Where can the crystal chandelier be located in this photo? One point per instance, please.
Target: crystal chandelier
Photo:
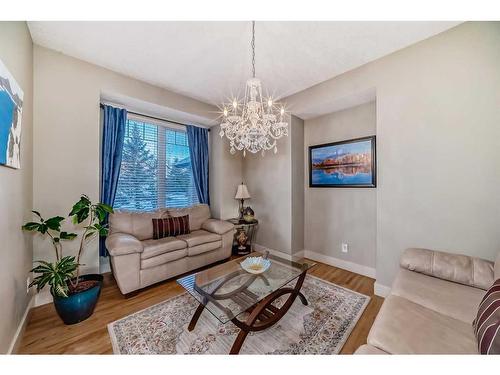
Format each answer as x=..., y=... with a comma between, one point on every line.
x=258, y=122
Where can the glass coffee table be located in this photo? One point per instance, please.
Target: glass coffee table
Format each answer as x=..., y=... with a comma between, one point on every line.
x=229, y=292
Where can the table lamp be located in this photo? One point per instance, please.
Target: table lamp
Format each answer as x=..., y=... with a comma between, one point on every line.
x=242, y=194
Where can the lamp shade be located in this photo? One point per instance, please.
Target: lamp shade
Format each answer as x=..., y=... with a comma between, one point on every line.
x=242, y=192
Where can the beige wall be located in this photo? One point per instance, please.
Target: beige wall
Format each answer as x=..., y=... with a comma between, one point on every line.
x=437, y=142
x=226, y=173
x=333, y=216
x=66, y=136
x=268, y=179
x=297, y=181
x=16, y=189
x=275, y=184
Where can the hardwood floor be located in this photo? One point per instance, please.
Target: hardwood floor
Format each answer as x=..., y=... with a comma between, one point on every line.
x=46, y=334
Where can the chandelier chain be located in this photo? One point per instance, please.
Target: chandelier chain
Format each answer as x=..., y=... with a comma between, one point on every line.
x=255, y=124
x=253, y=48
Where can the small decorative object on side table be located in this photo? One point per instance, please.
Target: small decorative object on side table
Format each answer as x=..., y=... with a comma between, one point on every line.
x=248, y=215
x=245, y=232
x=242, y=238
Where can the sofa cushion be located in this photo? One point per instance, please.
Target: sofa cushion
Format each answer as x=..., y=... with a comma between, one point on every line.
x=154, y=248
x=170, y=227
x=199, y=237
x=404, y=327
x=163, y=258
x=138, y=224
x=487, y=323
x=204, y=248
x=455, y=300
x=198, y=214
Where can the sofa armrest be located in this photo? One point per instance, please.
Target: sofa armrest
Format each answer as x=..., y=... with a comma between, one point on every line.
x=122, y=244
x=460, y=269
x=217, y=226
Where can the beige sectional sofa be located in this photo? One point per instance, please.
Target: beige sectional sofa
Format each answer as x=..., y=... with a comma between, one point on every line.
x=137, y=260
x=432, y=304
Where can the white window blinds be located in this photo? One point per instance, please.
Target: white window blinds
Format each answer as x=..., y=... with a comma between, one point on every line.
x=156, y=168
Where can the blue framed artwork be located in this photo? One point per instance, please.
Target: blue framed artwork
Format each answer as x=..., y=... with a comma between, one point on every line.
x=11, y=110
x=350, y=163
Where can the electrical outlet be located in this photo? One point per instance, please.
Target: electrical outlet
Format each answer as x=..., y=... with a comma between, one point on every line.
x=345, y=247
x=28, y=282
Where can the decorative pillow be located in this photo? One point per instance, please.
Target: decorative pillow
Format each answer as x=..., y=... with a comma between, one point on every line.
x=487, y=323
x=170, y=226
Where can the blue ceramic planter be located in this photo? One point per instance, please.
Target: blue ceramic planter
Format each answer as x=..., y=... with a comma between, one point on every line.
x=79, y=306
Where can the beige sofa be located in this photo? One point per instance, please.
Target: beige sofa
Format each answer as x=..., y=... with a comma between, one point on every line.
x=137, y=260
x=432, y=304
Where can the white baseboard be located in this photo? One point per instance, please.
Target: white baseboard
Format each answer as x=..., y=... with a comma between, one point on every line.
x=336, y=262
x=277, y=253
x=16, y=340
x=381, y=290
x=340, y=263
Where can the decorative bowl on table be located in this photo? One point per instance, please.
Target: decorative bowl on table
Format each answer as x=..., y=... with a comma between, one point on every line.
x=255, y=265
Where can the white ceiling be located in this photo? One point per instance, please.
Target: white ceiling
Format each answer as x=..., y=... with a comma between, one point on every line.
x=210, y=60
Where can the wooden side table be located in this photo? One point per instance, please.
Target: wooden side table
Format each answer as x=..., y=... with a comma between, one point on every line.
x=250, y=229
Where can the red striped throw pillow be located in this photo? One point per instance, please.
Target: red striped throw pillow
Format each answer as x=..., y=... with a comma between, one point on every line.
x=170, y=226
x=487, y=323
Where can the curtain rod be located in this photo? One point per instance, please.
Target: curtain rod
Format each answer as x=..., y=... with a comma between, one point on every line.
x=154, y=118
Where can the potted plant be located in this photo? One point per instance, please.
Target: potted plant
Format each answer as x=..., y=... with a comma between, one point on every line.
x=75, y=295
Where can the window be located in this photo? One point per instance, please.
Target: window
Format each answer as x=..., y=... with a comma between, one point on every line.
x=156, y=167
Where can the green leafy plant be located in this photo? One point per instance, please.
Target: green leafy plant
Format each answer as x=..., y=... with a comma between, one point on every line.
x=63, y=275
x=93, y=216
x=56, y=275
x=52, y=228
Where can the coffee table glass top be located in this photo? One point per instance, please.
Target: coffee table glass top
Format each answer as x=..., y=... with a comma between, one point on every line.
x=227, y=290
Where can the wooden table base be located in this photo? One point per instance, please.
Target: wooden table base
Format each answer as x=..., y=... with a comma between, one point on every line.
x=262, y=315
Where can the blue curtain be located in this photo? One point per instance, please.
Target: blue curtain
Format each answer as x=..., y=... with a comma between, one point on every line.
x=113, y=134
x=198, y=151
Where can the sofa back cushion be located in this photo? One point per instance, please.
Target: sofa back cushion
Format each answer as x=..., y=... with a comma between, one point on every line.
x=462, y=269
x=170, y=227
x=138, y=224
x=198, y=214
x=487, y=323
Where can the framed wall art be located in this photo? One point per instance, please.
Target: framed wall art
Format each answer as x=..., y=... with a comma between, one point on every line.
x=11, y=110
x=350, y=163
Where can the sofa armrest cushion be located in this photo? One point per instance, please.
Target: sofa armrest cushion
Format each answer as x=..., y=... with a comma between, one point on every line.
x=460, y=269
x=217, y=226
x=122, y=244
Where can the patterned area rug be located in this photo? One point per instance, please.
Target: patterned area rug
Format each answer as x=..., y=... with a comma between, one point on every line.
x=322, y=327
